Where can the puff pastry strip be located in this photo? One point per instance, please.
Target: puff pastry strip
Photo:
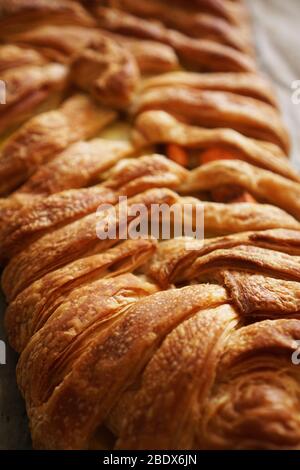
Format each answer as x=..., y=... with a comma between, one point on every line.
x=245, y=84
x=24, y=14
x=64, y=43
x=199, y=25
x=43, y=215
x=200, y=54
x=151, y=56
x=157, y=127
x=34, y=306
x=196, y=381
x=30, y=90
x=12, y=56
x=217, y=109
x=154, y=317
x=276, y=250
x=222, y=219
x=236, y=378
x=107, y=71
x=264, y=184
x=68, y=243
x=47, y=134
x=258, y=296
x=56, y=42
x=79, y=165
x=234, y=12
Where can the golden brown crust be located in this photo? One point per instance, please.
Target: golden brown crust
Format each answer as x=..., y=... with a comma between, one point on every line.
x=68, y=243
x=143, y=344
x=47, y=134
x=55, y=42
x=190, y=362
x=79, y=165
x=30, y=90
x=221, y=219
x=142, y=328
x=200, y=54
x=108, y=72
x=217, y=109
x=160, y=127
x=259, y=296
x=245, y=258
x=233, y=12
x=198, y=25
x=245, y=84
x=24, y=14
x=42, y=215
x=12, y=56
x=255, y=405
x=265, y=185
x=132, y=176
x=100, y=64
x=63, y=44
x=151, y=56
x=32, y=307
x=176, y=260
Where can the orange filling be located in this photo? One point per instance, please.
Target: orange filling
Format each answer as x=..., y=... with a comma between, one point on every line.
x=245, y=197
x=222, y=194
x=217, y=153
x=177, y=154
x=231, y=194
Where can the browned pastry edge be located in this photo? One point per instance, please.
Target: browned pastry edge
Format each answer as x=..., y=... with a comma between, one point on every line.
x=31, y=309
x=12, y=56
x=177, y=260
x=245, y=84
x=75, y=240
x=63, y=43
x=157, y=127
x=201, y=54
x=215, y=109
x=31, y=89
x=47, y=134
x=15, y=14
x=264, y=184
x=199, y=25
x=43, y=215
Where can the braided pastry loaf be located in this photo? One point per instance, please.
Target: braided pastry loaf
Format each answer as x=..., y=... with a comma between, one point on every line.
x=144, y=343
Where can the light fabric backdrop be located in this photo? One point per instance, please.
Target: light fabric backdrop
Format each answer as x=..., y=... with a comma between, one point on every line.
x=276, y=25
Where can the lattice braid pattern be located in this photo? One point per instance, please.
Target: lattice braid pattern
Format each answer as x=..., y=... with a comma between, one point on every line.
x=145, y=344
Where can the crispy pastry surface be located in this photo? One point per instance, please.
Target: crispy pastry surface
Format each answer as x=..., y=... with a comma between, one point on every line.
x=217, y=109
x=160, y=127
x=31, y=89
x=47, y=134
x=200, y=54
x=23, y=14
x=264, y=184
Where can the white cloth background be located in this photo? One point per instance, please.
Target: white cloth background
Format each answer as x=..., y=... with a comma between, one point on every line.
x=276, y=26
